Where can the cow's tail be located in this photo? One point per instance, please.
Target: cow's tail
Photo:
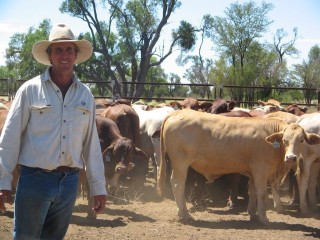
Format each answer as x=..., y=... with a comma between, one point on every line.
x=161, y=175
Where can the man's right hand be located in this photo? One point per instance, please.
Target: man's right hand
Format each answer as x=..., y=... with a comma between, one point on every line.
x=5, y=197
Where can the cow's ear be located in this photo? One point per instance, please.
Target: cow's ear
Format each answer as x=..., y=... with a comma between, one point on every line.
x=312, y=138
x=141, y=154
x=108, y=150
x=175, y=105
x=274, y=138
x=232, y=104
x=130, y=166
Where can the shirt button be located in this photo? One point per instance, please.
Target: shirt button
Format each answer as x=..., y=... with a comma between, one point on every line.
x=64, y=120
x=62, y=153
x=64, y=137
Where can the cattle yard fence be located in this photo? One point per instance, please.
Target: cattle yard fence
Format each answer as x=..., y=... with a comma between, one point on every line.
x=9, y=87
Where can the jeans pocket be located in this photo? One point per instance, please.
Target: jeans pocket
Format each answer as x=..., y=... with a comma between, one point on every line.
x=28, y=171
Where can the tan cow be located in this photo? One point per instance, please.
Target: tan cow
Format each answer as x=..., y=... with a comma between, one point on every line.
x=285, y=116
x=215, y=145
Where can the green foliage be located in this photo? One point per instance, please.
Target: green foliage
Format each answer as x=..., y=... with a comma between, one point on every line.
x=125, y=37
x=20, y=61
x=186, y=35
x=177, y=90
x=308, y=73
x=125, y=41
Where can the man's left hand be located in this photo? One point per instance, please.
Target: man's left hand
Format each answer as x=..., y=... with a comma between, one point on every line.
x=99, y=203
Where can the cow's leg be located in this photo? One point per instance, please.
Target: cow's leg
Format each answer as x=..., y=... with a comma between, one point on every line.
x=233, y=181
x=178, y=179
x=252, y=204
x=156, y=147
x=303, y=181
x=293, y=188
x=312, y=186
x=260, y=186
x=276, y=196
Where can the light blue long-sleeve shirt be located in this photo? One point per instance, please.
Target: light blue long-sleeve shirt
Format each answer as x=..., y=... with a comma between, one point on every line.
x=44, y=130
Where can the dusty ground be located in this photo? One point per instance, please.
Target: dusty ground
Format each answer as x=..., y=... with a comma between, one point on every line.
x=144, y=216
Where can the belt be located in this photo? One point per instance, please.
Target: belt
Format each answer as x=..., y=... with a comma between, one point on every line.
x=60, y=169
x=63, y=169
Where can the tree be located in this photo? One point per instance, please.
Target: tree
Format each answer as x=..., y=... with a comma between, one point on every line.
x=127, y=40
x=287, y=47
x=19, y=61
x=198, y=73
x=307, y=74
x=176, y=89
x=236, y=32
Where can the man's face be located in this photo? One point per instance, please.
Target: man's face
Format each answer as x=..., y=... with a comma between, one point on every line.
x=63, y=55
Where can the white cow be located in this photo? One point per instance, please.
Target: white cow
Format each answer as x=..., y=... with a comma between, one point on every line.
x=150, y=125
x=308, y=170
x=216, y=145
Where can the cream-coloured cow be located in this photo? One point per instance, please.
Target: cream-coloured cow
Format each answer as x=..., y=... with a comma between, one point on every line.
x=150, y=125
x=216, y=145
x=308, y=170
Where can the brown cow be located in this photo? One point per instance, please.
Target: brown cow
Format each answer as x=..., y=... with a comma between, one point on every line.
x=188, y=102
x=215, y=145
x=296, y=110
x=102, y=103
x=120, y=154
x=126, y=119
x=222, y=106
x=128, y=123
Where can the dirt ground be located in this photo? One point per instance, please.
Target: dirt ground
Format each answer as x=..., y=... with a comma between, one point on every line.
x=144, y=216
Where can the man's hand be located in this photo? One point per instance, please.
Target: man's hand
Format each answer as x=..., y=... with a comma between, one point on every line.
x=5, y=197
x=99, y=203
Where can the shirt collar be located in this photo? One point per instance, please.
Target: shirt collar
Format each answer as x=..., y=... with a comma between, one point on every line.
x=46, y=77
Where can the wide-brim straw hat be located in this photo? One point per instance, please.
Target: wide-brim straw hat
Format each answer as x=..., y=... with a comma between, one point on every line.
x=61, y=33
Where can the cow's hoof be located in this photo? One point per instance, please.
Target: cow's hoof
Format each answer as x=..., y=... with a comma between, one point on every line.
x=279, y=209
x=264, y=221
x=254, y=218
x=230, y=205
x=293, y=201
x=92, y=215
x=305, y=213
x=186, y=219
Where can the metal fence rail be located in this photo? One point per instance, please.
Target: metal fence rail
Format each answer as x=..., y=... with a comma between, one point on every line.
x=9, y=88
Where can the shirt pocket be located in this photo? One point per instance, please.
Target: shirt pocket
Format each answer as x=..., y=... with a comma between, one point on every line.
x=81, y=119
x=41, y=119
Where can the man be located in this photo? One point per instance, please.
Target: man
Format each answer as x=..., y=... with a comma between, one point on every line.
x=50, y=134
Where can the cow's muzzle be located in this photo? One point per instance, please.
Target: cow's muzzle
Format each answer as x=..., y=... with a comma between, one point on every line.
x=291, y=158
x=123, y=169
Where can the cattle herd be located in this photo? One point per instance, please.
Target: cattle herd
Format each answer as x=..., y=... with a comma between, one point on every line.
x=188, y=144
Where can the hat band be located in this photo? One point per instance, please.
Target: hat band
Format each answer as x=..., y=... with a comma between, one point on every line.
x=59, y=39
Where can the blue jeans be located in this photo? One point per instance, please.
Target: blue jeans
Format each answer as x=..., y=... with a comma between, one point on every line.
x=44, y=203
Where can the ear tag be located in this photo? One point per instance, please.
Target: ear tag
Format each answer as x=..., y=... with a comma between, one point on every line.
x=107, y=158
x=276, y=144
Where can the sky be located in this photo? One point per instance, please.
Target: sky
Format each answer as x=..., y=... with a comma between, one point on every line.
x=17, y=16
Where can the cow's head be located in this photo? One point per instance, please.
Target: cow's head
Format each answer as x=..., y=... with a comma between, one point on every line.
x=222, y=106
x=121, y=154
x=292, y=139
